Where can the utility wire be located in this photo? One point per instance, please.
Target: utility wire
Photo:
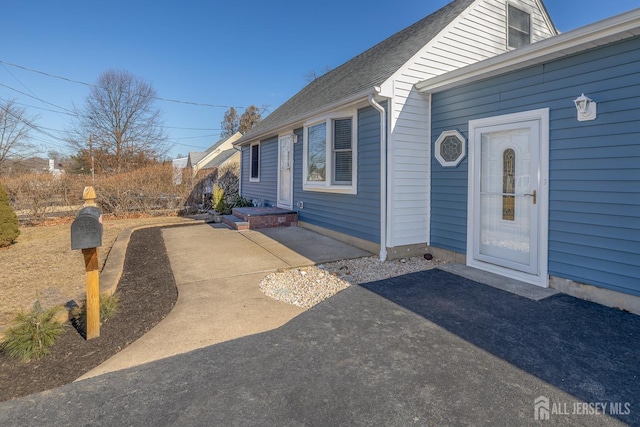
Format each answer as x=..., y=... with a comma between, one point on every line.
x=54, y=111
x=36, y=98
x=200, y=104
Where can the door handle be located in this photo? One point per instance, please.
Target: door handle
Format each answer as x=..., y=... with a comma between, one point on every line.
x=533, y=195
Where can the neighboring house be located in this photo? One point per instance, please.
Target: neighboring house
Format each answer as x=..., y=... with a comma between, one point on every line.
x=53, y=170
x=351, y=151
x=178, y=167
x=544, y=193
x=220, y=153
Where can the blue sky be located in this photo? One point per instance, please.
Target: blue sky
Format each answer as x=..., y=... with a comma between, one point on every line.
x=231, y=53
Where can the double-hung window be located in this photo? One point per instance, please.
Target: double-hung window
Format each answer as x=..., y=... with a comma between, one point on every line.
x=330, y=155
x=518, y=27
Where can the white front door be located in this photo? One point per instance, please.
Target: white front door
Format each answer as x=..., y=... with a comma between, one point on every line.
x=507, y=218
x=285, y=171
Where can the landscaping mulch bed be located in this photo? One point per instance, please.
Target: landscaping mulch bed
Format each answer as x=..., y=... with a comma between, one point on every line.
x=147, y=292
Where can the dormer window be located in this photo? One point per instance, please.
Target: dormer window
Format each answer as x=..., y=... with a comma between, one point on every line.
x=518, y=27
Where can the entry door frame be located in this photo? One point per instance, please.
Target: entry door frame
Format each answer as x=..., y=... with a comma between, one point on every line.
x=541, y=277
x=289, y=139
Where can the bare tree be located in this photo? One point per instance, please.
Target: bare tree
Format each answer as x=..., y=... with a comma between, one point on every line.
x=119, y=128
x=230, y=123
x=15, y=126
x=313, y=74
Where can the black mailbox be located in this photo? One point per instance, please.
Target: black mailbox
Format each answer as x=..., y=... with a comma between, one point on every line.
x=86, y=229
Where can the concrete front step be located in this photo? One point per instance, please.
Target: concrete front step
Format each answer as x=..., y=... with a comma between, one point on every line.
x=235, y=222
x=264, y=217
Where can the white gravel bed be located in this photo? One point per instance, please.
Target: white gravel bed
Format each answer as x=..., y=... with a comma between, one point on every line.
x=307, y=286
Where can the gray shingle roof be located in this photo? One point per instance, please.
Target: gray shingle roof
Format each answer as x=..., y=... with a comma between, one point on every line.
x=196, y=156
x=220, y=158
x=216, y=145
x=364, y=72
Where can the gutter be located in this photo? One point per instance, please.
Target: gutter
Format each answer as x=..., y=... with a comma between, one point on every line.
x=383, y=173
x=300, y=119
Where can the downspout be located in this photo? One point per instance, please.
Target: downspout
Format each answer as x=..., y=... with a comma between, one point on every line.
x=383, y=174
x=240, y=172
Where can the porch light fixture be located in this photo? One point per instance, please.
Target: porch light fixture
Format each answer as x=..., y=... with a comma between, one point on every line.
x=586, y=108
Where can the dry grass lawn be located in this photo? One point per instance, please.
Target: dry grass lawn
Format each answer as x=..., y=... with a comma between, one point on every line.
x=41, y=265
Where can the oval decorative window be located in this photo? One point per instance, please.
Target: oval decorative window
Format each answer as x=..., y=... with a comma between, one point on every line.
x=450, y=148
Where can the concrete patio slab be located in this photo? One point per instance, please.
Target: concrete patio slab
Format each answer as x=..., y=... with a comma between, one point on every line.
x=517, y=287
x=304, y=244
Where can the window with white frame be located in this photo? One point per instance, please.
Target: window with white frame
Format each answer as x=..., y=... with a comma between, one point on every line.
x=254, y=161
x=518, y=26
x=330, y=155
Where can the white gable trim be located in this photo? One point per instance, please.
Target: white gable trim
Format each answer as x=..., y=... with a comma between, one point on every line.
x=600, y=33
x=226, y=145
x=386, y=89
x=545, y=15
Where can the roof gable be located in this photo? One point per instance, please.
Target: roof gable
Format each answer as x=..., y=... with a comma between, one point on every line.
x=600, y=33
x=362, y=73
x=204, y=160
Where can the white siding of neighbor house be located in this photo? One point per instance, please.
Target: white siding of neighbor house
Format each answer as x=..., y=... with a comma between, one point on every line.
x=477, y=34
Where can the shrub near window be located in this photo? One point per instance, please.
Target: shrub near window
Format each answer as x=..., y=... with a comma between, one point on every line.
x=9, y=230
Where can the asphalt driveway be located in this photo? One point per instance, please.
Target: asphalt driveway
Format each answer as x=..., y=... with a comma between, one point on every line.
x=429, y=348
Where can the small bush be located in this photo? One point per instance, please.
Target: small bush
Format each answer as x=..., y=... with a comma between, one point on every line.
x=237, y=201
x=33, y=333
x=9, y=230
x=108, y=308
x=219, y=202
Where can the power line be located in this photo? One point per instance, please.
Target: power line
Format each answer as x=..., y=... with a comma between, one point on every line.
x=36, y=98
x=45, y=74
x=200, y=104
x=181, y=128
x=18, y=80
x=198, y=136
x=33, y=126
x=187, y=145
x=53, y=111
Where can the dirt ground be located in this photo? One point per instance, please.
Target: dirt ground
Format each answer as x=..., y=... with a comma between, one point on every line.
x=41, y=265
x=147, y=293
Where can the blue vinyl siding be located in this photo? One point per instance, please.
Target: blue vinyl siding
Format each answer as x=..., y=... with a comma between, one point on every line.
x=353, y=214
x=594, y=166
x=267, y=188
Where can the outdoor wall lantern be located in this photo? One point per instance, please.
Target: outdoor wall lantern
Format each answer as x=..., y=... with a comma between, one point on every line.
x=586, y=108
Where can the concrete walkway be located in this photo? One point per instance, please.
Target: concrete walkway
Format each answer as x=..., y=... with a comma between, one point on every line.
x=217, y=272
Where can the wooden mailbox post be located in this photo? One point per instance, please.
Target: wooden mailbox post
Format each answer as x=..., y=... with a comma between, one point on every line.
x=86, y=234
